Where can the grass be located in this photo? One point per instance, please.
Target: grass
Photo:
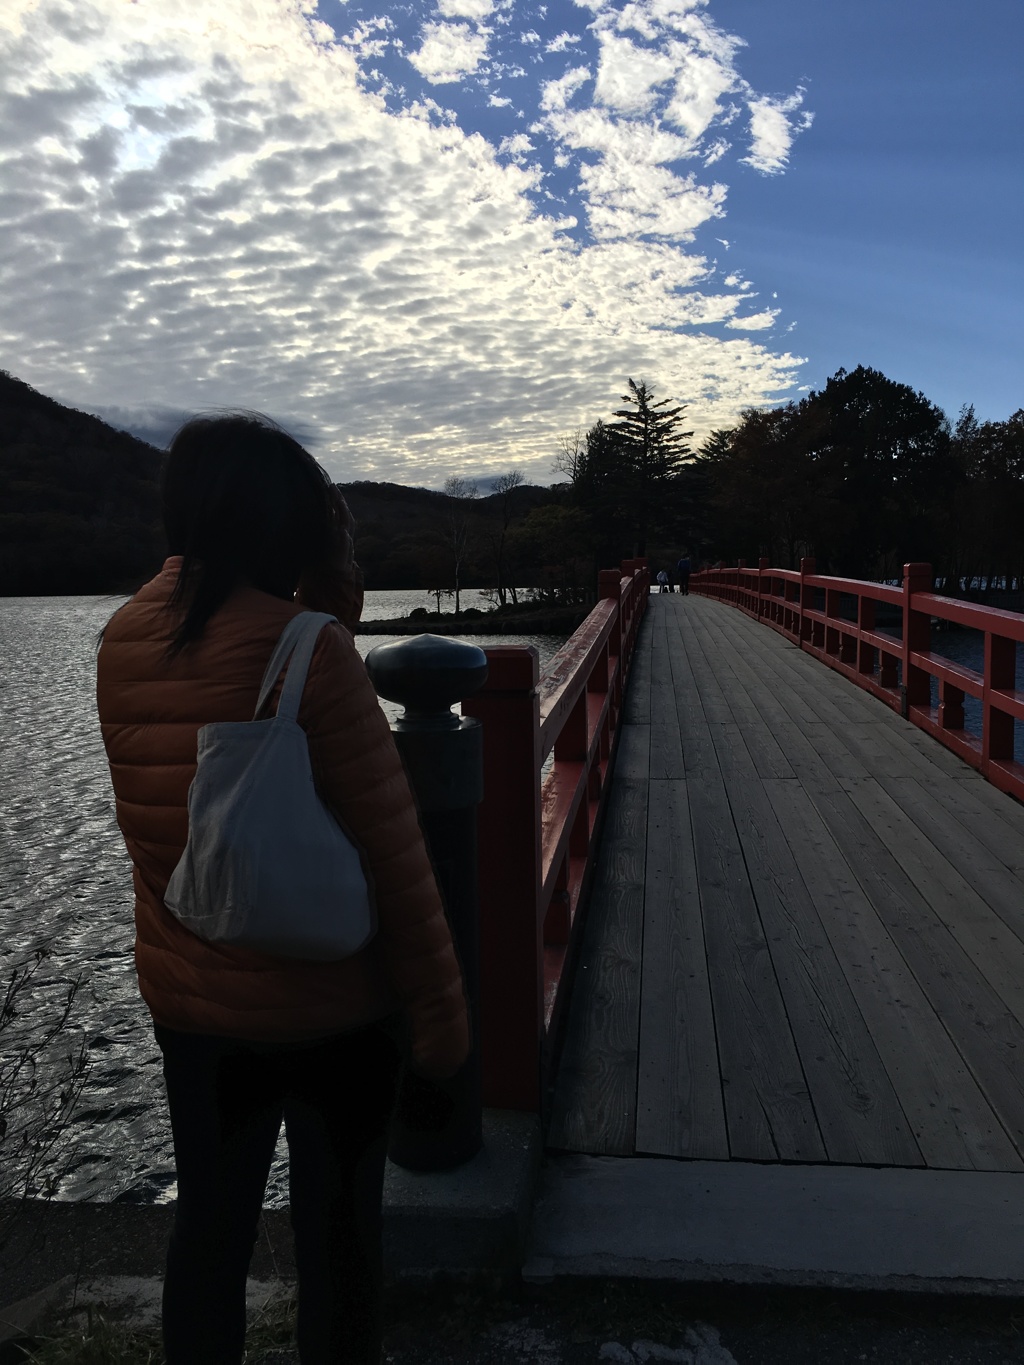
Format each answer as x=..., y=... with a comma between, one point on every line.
x=460, y=1315
x=98, y=1335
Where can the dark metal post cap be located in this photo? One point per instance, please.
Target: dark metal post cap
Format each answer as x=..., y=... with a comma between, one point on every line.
x=427, y=674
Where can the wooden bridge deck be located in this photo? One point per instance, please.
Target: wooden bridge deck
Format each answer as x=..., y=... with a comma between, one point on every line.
x=805, y=940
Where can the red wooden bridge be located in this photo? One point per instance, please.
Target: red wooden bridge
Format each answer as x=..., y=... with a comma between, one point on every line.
x=804, y=934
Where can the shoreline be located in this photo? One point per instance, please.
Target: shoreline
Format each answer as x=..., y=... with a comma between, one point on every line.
x=555, y=621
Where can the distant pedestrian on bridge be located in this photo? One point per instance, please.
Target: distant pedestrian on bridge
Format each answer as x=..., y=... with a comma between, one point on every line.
x=663, y=583
x=683, y=574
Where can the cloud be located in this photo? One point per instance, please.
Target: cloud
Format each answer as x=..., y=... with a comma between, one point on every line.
x=371, y=38
x=562, y=42
x=516, y=147
x=465, y=9
x=628, y=75
x=448, y=52
x=665, y=86
x=754, y=322
x=772, y=131
x=556, y=94
x=203, y=206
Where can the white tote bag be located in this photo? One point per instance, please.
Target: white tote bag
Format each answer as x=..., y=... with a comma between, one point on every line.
x=266, y=865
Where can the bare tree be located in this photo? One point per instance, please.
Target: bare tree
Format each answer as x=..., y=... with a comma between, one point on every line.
x=42, y=1072
x=460, y=493
x=505, y=486
x=571, y=455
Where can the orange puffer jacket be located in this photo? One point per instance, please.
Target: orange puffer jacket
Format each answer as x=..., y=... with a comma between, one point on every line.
x=151, y=709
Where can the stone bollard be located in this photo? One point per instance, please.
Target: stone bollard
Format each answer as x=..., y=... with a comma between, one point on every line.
x=437, y=1124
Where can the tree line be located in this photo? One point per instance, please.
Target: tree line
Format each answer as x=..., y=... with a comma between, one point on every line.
x=863, y=475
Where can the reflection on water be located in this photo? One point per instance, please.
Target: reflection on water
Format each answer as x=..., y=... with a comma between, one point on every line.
x=66, y=881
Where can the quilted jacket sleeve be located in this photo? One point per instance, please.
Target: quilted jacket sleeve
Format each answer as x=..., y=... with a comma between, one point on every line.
x=360, y=776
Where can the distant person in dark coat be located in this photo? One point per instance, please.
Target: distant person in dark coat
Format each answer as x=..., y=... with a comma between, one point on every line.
x=683, y=573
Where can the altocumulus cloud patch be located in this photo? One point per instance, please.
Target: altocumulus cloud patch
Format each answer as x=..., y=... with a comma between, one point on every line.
x=432, y=261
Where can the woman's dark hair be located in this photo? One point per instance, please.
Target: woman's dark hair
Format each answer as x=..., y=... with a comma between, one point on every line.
x=242, y=501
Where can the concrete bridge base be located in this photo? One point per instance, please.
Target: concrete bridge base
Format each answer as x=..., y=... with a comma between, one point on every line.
x=472, y=1220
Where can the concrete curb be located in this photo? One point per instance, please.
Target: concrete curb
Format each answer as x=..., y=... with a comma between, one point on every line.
x=136, y=1297
x=19, y=1320
x=835, y=1227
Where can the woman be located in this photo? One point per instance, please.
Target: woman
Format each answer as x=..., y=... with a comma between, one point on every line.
x=257, y=532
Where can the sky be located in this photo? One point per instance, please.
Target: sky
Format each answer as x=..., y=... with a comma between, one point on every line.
x=437, y=237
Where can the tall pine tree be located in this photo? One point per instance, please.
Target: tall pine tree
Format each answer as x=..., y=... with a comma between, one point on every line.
x=653, y=450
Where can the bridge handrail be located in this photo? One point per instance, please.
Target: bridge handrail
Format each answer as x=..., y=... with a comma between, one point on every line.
x=548, y=744
x=896, y=667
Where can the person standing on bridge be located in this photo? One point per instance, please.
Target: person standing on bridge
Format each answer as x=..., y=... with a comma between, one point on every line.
x=663, y=583
x=683, y=574
x=258, y=533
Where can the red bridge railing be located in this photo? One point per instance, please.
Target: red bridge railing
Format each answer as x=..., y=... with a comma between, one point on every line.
x=548, y=744
x=835, y=620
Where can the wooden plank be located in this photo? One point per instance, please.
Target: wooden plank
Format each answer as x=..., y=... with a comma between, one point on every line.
x=795, y=669
x=1000, y=803
x=952, y=1122
x=790, y=664
x=856, y=1108
x=666, y=746
x=1001, y=887
x=765, y=751
x=679, y=1092
x=811, y=748
x=816, y=691
x=768, y=1108
x=999, y=828
x=594, y=1104
x=713, y=703
x=983, y=935
x=985, y=1032
x=884, y=744
x=636, y=707
x=698, y=751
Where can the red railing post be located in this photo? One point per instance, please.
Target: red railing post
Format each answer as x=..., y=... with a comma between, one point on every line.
x=831, y=614
x=1000, y=675
x=762, y=564
x=951, y=706
x=916, y=689
x=865, y=621
x=511, y=955
x=804, y=624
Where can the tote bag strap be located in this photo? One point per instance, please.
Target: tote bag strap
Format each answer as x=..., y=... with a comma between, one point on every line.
x=295, y=645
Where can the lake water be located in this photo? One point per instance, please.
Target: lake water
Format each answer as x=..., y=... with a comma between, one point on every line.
x=66, y=880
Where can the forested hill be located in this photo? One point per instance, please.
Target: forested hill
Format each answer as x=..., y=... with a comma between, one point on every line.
x=406, y=537
x=79, y=510
x=78, y=500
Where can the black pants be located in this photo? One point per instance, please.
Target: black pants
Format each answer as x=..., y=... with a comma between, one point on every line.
x=227, y=1099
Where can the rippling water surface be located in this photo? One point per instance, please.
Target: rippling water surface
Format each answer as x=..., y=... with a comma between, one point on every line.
x=66, y=883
